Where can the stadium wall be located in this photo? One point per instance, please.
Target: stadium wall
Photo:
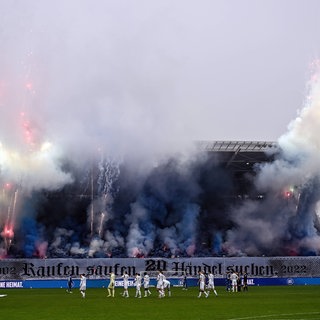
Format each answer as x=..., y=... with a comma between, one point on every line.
x=52, y=273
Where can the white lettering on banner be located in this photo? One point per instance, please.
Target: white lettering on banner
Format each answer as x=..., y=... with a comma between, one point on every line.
x=251, y=282
x=14, y=284
x=120, y=283
x=2, y=284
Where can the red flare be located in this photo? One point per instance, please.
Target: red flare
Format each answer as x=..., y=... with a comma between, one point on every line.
x=7, y=233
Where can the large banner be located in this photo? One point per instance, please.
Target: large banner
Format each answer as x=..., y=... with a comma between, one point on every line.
x=24, y=269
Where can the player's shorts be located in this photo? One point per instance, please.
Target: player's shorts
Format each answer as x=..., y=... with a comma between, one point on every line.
x=159, y=285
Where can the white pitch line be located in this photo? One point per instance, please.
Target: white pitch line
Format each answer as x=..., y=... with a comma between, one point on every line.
x=276, y=315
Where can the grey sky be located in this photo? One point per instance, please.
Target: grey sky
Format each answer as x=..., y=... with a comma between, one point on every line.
x=154, y=72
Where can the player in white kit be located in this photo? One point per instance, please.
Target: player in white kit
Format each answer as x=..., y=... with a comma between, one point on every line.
x=125, y=285
x=166, y=286
x=160, y=279
x=210, y=286
x=202, y=284
x=137, y=282
x=83, y=285
x=146, y=282
x=234, y=280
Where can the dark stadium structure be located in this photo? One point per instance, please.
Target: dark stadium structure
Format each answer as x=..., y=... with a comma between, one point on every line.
x=240, y=158
x=239, y=162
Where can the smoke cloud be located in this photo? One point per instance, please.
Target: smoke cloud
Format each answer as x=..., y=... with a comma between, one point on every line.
x=294, y=176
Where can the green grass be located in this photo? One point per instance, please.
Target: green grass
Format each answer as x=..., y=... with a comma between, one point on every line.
x=280, y=303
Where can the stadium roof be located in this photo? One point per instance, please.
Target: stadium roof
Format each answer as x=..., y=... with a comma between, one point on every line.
x=240, y=156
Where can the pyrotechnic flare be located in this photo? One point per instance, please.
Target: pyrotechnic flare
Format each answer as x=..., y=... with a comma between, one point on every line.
x=7, y=234
x=8, y=203
x=101, y=224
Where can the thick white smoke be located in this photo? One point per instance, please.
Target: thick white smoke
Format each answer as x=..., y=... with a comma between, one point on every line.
x=294, y=174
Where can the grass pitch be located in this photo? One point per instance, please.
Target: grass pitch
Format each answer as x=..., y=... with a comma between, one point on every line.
x=276, y=303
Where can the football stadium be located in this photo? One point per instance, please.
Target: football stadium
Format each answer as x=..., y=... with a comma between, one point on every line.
x=159, y=159
x=212, y=212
